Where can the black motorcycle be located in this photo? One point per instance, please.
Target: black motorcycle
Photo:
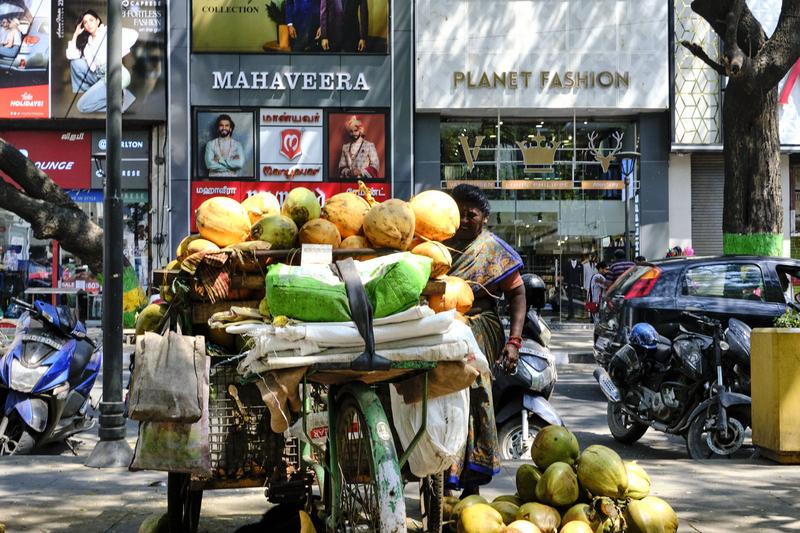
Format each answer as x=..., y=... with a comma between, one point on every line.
x=696, y=386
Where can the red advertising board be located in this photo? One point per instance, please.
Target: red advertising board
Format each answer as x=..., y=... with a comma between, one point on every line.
x=239, y=190
x=66, y=157
x=32, y=101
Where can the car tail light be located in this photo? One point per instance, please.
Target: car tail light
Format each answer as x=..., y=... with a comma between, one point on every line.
x=30, y=39
x=644, y=284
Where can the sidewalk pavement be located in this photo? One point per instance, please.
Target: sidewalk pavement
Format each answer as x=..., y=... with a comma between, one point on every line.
x=55, y=492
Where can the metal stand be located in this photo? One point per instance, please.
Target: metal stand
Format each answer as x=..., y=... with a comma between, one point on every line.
x=112, y=450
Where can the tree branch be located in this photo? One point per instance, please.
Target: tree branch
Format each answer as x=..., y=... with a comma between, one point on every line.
x=33, y=181
x=733, y=56
x=698, y=51
x=61, y=219
x=782, y=49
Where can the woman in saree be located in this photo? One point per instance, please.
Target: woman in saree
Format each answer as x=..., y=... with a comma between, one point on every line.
x=493, y=269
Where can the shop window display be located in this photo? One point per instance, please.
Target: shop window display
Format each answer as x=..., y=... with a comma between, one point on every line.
x=557, y=190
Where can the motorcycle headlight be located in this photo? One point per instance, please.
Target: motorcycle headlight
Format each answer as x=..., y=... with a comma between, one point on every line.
x=24, y=379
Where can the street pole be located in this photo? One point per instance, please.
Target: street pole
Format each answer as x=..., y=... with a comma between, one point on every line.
x=627, y=231
x=113, y=449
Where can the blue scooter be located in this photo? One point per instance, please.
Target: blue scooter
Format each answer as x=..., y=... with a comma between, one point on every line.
x=45, y=379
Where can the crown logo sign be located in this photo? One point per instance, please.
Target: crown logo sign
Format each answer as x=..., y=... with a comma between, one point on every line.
x=537, y=155
x=27, y=96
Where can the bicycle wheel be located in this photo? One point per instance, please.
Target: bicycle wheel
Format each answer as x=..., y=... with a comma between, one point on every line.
x=431, y=494
x=367, y=490
x=183, y=504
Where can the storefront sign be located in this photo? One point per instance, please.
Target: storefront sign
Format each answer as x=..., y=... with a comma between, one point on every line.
x=135, y=164
x=560, y=56
x=239, y=190
x=282, y=81
x=64, y=156
x=246, y=27
x=539, y=185
x=290, y=142
x=546, y=79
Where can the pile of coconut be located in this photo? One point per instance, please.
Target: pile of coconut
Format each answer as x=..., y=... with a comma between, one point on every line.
x=566, y=491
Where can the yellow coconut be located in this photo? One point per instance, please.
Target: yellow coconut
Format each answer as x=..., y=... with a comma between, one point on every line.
x=438, y=252
x=166, y=290
x=260, y=205
x=181, y=250
x=320, y=231
x=223, y=221
x=390, y=225
x=347, y=211
x=457, y=295
x=437, y=215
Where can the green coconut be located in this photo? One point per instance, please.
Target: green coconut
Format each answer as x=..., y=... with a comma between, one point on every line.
x=507, y=509
x=149, y=317
x=554, y=444
x=581, y=512
x=513, y=498
x=301, y=205
x=650, y=515
x=638, y=481
x=543, y=516
x=602, y=472
x=558, y=485
x=526, y=479
x=521, y=526
x=278, y=230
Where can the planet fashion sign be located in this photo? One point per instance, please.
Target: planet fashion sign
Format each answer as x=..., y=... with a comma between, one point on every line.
x=572, y=54
x=546, y=79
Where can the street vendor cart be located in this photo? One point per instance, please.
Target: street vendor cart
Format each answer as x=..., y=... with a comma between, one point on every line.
x=353, y=477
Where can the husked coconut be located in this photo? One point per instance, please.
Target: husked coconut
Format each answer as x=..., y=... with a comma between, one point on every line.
x=437, y=215
x=222, y=221
x=347, y=211
x=439, y=254
x=390, y=225
x=320, y=231
x=457, y=295
x=261, y=204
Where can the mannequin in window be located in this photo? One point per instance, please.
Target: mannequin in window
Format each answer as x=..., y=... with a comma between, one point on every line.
x=573, y=282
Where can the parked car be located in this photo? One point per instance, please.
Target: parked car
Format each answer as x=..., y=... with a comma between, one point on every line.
x=754, y=290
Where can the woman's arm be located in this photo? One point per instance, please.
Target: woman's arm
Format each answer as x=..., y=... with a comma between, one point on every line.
x=72, y=46
x=517, y=305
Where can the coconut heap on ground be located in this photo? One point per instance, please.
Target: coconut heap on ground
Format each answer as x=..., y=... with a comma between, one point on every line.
x=346, y=221
x=568, y=491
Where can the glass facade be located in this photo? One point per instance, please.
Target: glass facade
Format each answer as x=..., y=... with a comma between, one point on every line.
x=561, y=190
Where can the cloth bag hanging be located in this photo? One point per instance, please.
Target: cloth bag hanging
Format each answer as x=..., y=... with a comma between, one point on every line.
x=170, y=375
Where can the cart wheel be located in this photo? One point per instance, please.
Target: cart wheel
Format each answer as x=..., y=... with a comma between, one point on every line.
x=431, y=493
x=183, y=504
x=367, y=490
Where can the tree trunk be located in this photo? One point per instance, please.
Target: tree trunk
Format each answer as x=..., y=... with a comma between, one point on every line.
x=753, y=211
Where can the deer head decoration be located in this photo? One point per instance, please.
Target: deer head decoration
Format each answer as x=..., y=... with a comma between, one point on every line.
x=605, y=160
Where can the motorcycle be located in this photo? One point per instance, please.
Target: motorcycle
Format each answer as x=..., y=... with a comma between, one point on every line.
x=46, y=376
x=696, y=386
x=521, y=398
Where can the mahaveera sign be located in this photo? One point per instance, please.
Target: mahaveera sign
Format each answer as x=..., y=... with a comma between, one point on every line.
x=282, y=81
x=290, y=142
